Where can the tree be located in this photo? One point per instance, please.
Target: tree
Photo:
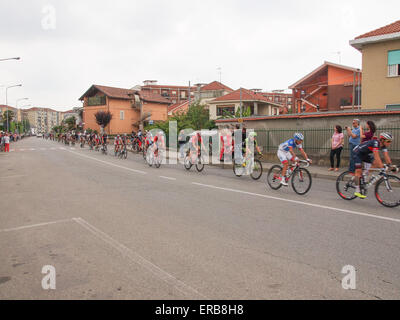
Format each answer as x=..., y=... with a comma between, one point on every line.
x=71, y=123
x=8, y=117
x=103, y=118
x=245, y=114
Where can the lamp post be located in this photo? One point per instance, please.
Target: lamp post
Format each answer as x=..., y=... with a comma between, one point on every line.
x=6, y=59
x=18, y=85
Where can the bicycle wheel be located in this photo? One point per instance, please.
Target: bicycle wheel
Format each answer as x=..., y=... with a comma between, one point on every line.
x=387, y=192
x=200, y=164
x=187, y=163
x=157, y=161
x=257, y=171
x=150, y=159
x=274, y=177
x=126, y=154
x=346, y=186
x=238, y=168
x=301, y=181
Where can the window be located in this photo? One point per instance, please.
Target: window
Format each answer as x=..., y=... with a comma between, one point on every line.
x=276, y=99
x=222, y=111
x=289, y=99
x=174, y=93
x=97, y=101
x=393, y=107
x=183, y=94
x=394, y=63
x=122, y=115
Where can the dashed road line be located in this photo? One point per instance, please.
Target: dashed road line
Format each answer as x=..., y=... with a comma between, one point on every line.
x=36, y=225
x=299, y=202
x=139, y=260
x=108, y=163
x=168, y=178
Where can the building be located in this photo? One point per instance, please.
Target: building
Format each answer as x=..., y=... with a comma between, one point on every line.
x=206, y=93
x=381, y=67
x=330, y=87
x=280, y=97
x=175, y=94
x=131, y=109
x=42, y=120
x=230, y=104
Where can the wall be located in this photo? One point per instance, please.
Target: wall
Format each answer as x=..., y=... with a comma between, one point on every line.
x=318, y=132
x=378, y=89
x=159, y=111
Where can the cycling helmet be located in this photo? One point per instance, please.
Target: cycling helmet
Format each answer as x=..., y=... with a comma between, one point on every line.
x=386, y=136
x=298, y=137
x=252, y=134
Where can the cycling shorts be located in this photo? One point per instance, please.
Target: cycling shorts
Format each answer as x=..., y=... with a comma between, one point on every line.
x=284, y=156
x=359, y=158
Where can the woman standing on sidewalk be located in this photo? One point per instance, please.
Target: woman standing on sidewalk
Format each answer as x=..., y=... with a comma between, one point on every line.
x=370, y=133
x=337, y=147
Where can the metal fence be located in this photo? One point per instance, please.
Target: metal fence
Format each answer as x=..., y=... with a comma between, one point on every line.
x=317, y=142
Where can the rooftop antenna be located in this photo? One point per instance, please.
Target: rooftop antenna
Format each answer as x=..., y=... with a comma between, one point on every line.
x=220, y=74
x=339, y=53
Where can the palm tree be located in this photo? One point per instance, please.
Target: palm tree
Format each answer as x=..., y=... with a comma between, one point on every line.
x=103, y=118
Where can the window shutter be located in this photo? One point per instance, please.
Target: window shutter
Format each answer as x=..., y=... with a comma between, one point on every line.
x=394, y=57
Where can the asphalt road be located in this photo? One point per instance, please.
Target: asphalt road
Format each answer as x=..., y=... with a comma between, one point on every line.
x=118, y=229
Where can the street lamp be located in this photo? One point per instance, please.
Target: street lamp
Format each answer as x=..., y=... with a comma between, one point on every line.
x=17, y=85
x=17, y=58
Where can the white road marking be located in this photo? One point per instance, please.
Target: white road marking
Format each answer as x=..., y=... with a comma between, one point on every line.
x=32, y=149
x=168, y=178
x=109, y=163
x=63, y=149
x=10, y=177
x=21, y=149
x=299, y=202
x=36, y=225
x=138, y=259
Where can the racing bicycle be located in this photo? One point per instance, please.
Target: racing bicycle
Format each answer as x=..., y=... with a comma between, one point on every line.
x=297, y=173
x=387, y=187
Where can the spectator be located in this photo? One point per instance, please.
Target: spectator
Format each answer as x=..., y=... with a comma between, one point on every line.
x=354, y=141
x=337, y=147
x=370, y=133
x=6, y=143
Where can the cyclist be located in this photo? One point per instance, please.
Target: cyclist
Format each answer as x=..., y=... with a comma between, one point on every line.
x=196, y=144
x=368, y=153
x=286, y=154
x=251, y=140
x=104, y=139
x=117, y=143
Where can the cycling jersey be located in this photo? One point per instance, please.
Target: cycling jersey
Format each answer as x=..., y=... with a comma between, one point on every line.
x=289, y=144
x=364, y=152
x=369, y=147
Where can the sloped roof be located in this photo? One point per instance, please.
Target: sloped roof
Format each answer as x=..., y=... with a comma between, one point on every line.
x=153, y=97
x=322, y=67
x=177, y=106
x=215, y=86
x=391, y=28
x=111, y=92
x=246, y=95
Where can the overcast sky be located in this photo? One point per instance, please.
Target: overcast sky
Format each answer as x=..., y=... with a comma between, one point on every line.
x=68, y=45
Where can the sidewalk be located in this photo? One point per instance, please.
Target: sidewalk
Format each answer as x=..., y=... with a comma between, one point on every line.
x=317, y=172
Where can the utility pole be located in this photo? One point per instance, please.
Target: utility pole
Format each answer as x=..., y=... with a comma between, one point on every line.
x=241, y=109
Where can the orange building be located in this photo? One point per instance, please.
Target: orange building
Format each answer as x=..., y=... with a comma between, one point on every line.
x=131, y=109
x=331, y=87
